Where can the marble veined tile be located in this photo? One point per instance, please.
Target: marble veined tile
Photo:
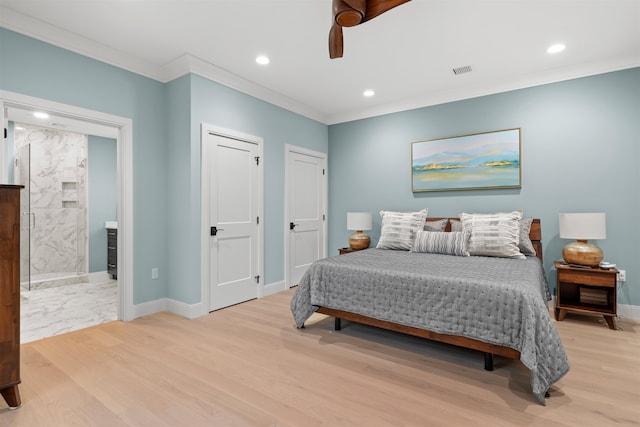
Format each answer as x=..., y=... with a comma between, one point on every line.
x=53, y=311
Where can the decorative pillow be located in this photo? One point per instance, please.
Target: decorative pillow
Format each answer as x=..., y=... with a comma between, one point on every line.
x=456, y=225
x=525, y=245
x=436, y=242
x=399, y=229
x=438, y=225
x=495, y=234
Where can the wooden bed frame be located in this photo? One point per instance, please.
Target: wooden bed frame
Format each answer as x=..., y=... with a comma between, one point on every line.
x=489, y=349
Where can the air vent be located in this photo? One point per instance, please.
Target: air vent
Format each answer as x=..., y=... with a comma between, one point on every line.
x=462, y=70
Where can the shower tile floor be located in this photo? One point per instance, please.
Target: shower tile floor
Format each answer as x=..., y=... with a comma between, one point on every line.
x=54, y=311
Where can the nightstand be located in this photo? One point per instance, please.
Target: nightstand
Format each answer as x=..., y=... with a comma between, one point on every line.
x=586, y=290
x=347, y=250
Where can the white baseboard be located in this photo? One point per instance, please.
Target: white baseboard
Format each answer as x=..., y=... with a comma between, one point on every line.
x=99, y=276
x=272, y=289
x=629, y=311
x=191, y=311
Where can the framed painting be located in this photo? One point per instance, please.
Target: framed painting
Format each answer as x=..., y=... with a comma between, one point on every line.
x=468, y=162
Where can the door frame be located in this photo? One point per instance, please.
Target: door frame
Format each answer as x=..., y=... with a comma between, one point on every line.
x=289, y=150
x=206, y=129
x=124, y=144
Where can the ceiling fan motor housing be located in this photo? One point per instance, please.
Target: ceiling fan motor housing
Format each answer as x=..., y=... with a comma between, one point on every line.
x=349, y=13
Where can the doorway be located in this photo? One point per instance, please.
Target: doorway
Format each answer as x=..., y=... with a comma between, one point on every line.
x=305, y=211
x=232, y=206
x=16, y=106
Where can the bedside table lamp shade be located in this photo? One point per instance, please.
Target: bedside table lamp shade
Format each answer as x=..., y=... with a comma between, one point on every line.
x=582, y=227
x=359, y=221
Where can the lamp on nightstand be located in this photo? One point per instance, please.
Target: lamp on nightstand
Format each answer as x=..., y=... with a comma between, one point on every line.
x=582, y=227
x=359, y=221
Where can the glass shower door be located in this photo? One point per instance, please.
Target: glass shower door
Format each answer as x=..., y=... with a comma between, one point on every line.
x=27, y=219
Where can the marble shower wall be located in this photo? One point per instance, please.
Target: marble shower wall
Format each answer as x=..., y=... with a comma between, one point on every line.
x=58, y=198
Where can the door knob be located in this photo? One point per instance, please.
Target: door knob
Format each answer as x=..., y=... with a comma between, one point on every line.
x=214, y=230
x=292, y=226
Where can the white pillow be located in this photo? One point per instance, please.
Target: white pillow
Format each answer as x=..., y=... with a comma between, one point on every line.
x=399, y=229
x=496, y=234
x=436, y=242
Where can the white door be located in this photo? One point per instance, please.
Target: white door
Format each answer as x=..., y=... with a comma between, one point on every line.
x=306, y=192
x=234, y=196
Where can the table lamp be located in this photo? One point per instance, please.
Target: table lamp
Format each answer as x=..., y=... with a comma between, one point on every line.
x=582, y=227
x=359, y=221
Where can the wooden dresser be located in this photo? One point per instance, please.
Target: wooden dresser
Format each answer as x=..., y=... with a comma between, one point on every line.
x=10, y=293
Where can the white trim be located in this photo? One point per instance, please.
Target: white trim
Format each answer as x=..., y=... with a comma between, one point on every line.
x=289, y=149
x=629, y=311
x=99, y=276
x=206, y=129
x=4, y=147
x=187, y=63
x=272, y=289
x=125, y=181
x=40, y=30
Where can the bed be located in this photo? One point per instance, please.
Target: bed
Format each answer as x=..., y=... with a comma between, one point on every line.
x=494, y=305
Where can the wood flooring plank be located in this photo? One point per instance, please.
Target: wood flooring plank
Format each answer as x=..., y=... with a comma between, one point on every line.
x=248, y=365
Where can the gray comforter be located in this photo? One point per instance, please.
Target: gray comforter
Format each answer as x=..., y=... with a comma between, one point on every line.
x=494, y=300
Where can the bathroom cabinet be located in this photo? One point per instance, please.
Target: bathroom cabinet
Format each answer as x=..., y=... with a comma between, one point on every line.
x=10, y=294
x=112, y=252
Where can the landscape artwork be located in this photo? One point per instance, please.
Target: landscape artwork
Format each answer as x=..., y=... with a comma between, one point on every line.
x=468, y=162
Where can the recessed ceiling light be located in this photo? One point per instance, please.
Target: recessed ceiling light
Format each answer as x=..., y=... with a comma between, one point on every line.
x=262, y=60
x=368, y=93
x=40, y=115
x=555, y=48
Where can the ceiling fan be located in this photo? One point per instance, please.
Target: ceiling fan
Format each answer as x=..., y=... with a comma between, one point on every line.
x=349, y=13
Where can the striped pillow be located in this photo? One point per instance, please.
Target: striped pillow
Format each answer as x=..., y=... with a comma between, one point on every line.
x=399, y=229
x=435, y=242
x=495, y=234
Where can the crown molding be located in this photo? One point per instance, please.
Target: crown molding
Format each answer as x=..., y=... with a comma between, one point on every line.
x=490, y=88
x=185, y=64
x=76, y=43
x=188, y=63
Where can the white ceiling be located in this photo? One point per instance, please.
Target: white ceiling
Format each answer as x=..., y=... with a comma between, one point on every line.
x=406, y=55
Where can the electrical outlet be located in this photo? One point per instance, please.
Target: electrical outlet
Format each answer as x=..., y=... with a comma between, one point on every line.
x=622, y=275
x=154, y=273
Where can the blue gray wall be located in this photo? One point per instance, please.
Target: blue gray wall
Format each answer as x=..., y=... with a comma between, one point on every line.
x=580, y=150
x=41, y=70
x=197, y=101
x=103, y=197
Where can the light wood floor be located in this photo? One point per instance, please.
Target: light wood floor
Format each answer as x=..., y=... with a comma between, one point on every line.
x=248, y=365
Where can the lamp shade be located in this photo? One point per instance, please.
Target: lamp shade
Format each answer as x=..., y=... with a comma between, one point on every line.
x=359, y=221
x=583, y=226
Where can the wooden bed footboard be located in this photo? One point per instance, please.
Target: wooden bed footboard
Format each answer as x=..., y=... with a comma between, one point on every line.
x=488, y=349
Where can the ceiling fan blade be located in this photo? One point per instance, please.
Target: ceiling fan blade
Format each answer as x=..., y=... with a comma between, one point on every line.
x=336, y=43
x=378, y=7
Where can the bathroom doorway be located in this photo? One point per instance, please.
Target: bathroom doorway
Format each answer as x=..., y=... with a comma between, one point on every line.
x=64, y=280
x=16, y=106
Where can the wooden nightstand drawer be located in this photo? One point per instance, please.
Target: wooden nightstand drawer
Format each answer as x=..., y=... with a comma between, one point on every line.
x=587, y=277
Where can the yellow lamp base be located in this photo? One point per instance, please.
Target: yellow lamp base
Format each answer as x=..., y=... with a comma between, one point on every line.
x=582, y=253
x=359, y=240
